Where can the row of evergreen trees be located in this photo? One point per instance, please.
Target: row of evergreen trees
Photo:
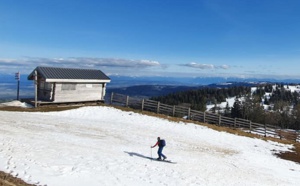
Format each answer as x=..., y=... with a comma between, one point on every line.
x=270, y=104
x=198, y=99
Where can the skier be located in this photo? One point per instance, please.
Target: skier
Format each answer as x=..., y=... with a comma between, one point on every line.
x=161, y=144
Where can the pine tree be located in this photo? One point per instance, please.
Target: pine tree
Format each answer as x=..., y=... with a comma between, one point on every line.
x=236, y=111
x=296, y=117
x=227, y=111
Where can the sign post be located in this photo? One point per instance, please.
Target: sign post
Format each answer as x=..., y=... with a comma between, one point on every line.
x=17, y=77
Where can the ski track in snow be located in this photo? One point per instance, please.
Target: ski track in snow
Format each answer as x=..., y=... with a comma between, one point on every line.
x=106, y=146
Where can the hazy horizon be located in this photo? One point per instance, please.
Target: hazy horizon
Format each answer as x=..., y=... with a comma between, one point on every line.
x=8, y=85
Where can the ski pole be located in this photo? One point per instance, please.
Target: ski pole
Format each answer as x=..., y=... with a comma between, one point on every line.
x=151, y=152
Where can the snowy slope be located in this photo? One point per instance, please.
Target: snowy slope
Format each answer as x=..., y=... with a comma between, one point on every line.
x=105, y=146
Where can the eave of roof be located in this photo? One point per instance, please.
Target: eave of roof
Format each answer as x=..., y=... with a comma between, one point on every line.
x=77, y=80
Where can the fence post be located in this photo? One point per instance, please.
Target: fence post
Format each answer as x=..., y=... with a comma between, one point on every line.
x=158, y=104
x=111, y=98
x=204, y=115
x=250, y=126
x=280, y=134
x=143, y=102
x=265, y=130
x=173, y=111
x=220, y=120
x=189, y=114
x=127, y=100
x=234, y=125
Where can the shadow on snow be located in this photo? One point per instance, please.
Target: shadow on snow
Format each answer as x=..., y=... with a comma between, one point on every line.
x=147, y=157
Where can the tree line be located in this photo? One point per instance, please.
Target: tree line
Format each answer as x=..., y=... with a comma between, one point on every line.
x=273, y=104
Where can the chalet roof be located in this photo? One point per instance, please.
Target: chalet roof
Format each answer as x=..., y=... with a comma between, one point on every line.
x=52, y=74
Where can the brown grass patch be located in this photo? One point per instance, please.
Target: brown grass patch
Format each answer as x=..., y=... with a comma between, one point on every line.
x=292, y=156
x=8, y=180
x=38, y=109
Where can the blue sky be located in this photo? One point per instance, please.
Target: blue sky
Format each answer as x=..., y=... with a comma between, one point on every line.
x=232, y=38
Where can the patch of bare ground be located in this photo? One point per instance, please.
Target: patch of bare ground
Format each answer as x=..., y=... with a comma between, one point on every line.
x=8, y=180
x=38, y=109
x=293, y=155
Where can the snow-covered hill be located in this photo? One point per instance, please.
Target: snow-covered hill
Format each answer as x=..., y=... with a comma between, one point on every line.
x=105, y=146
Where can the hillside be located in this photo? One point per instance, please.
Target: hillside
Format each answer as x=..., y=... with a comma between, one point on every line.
x=146, y=91
x=105, y=146
x=277, y=104
x=152, y=90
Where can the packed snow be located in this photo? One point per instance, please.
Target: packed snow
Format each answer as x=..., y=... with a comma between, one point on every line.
x=222, y=106
x=16, y=103
x=100, y=145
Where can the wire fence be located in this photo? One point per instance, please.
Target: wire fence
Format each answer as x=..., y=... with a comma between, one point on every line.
x=265, y=130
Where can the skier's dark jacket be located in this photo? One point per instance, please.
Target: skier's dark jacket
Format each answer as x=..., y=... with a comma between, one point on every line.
x=159, y=143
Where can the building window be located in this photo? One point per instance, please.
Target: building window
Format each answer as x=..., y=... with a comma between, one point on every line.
x=70, y=86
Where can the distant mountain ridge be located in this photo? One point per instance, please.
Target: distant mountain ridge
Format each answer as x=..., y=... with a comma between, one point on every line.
x=146, y=91
x=139, y=86
x=126, y=81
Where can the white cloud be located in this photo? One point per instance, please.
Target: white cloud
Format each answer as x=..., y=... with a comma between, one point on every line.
x=150, y=63
x=205, y=66
x=29, y=63
x=223, y=67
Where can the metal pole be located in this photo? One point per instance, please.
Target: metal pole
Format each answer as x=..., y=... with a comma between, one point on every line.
x=17, y=77
x=35, y=89
x=151, y=152
x=18, y=92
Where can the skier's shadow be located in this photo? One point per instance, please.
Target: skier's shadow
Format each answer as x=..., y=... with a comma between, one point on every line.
x=147, y=157
x=138, y=155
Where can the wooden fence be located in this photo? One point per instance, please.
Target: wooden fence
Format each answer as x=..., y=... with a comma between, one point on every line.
x=265, y=130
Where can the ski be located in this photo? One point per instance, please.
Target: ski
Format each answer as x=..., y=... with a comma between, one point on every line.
x=166, y=161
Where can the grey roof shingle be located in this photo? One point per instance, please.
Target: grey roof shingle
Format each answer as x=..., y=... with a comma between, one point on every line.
x=68, y=73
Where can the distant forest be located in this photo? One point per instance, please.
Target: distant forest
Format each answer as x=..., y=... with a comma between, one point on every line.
x=269, y=104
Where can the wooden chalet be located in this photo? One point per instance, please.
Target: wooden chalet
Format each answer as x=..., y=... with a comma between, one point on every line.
x=62, y=85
